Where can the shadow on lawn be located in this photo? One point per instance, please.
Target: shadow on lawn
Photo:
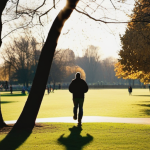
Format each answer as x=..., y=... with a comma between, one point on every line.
x=75, y=141
x=14, y=139
x=144, y=101
x=146, y=110
x=142, y=95
x=5, y=102
x=13, y=95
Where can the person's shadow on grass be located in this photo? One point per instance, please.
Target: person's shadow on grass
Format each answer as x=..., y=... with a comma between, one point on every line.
x=75, y=141
x=14, y=139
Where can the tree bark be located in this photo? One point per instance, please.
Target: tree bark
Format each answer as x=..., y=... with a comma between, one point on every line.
x=2, y=6
x=2, y=123
x=32, y=106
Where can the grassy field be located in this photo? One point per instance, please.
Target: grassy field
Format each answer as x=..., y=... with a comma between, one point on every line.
x=102, y=102
x=93, y=136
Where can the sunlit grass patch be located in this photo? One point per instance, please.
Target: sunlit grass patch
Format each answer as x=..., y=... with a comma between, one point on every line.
x=101, y=102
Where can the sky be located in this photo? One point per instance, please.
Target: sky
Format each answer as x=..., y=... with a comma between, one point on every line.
x=84, y=32
x=80, y=31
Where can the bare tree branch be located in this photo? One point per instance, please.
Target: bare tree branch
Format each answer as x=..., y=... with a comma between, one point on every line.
x=40, y=6
x=112, y=4
x=19, y=28
x=109, y=21
x=12, y=19
x=17, y=6
x=47, y=12
x=54, y=3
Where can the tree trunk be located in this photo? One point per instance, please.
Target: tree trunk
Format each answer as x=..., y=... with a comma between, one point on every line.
x=2, y=123
x=31, y=108
x=2, y=6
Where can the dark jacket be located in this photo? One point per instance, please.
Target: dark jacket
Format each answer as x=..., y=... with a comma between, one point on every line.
x=78, y=87
x=130, y=89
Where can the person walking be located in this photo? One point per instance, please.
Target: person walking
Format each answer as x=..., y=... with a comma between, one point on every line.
x=23, y=90
x=28, y=89
x=59, y=86
x=130, y=90
x=11, y=89
x=78, y=87
x=53, y=87
x=48, y=90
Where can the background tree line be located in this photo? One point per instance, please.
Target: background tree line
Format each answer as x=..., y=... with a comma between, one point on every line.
x=20, y=60
x=22, y=55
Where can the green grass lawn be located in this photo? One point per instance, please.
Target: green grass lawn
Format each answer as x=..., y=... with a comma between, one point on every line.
x=102, y=102
x=93, y=136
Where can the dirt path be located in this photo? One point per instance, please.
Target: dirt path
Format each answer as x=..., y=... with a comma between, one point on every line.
x=91, y=119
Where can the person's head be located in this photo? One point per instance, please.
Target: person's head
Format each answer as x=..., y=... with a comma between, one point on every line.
x=78, y=75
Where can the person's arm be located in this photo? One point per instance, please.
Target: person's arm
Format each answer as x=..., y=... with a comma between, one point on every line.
x=85, y=87
x=71, y=87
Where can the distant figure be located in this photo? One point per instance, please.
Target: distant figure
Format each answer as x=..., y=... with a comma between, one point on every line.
x=130, y=90
x=149, y=87
x=53, y=87
x=78, y=87
x=6, y=85
x=50, y=88
x=11, y=89
x=1, y=86
x=28, y=90
x=23, y=90
x=59, y=86
x=47, y=89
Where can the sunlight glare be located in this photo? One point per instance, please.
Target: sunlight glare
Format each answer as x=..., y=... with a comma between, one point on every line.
x=63, y=3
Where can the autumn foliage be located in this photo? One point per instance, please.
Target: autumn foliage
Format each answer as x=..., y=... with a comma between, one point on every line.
x=72, y=70
x=3, y=74
x=134, y=62
x=121, y=73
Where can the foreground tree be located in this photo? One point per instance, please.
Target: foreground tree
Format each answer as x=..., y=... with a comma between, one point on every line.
x=2, y=6
x=135, y=53
x=31, y=108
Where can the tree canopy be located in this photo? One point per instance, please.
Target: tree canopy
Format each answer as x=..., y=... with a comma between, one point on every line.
x=134, y=59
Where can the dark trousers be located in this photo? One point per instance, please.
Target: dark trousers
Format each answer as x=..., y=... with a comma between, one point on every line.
x=78, y=102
